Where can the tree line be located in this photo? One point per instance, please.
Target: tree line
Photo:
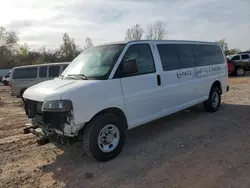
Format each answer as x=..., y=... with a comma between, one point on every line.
x=14, y=54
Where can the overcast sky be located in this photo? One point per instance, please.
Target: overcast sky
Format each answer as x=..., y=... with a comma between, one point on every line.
x=42, y=22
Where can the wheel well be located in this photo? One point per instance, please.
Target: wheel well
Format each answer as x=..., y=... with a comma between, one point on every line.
x=112, y=110
x=217, y=84
x=115, y=111
x=239, y=66
x=22, y=91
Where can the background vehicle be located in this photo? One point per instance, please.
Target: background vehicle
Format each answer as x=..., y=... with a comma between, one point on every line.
x=110, y=89
x=6, y=79
x=241, y=63
x=230, y=66
x=25, y=76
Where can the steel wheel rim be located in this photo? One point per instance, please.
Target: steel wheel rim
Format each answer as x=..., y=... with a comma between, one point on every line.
x=240, y=71
x=108, y=138
x=215, y=99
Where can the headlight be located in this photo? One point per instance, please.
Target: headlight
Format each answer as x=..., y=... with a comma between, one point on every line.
x=57, y=106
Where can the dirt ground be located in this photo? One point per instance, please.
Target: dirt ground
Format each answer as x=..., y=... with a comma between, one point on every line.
x=191, y=149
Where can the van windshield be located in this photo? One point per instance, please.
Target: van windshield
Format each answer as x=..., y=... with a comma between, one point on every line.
x=95, y=63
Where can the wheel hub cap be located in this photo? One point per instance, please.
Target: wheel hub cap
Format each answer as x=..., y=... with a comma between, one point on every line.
x=215, y=99
x=108, y=138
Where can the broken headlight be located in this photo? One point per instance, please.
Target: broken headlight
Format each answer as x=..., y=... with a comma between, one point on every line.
x=57, y=106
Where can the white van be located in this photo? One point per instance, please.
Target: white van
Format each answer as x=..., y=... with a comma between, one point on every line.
x=6, y=79
x=23, y=77
x=112, y=88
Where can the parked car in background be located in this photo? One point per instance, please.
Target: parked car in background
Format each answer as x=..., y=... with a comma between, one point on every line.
x=25, y=76
x=112, y=88
x=230, y=66
x=6, y=78
x=241, y=63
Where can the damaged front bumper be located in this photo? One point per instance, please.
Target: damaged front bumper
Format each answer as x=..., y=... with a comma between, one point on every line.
x=50, y=123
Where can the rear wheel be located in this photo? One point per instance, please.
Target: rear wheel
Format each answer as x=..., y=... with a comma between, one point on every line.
x=214, y=100
x=240, y=71
x=104, y=137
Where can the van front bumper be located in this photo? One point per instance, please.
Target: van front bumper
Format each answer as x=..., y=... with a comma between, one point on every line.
x=50, y=129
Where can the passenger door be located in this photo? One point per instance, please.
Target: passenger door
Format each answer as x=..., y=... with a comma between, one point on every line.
x=187, y=84
x=141, y=90
x=237, y=60
x=170, y=89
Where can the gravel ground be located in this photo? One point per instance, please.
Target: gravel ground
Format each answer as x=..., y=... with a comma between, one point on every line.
x=191, y=149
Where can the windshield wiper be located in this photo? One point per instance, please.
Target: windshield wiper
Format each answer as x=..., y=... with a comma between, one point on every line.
x=81, y=76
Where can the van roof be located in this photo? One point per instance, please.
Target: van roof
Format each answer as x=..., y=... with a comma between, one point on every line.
x=159, y=41
x=44, y=64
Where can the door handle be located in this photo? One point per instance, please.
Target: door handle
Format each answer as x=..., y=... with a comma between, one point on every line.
x=158, y=80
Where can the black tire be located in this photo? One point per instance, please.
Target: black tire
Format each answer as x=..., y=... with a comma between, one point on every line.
x=210, y=105
x=5, y=83
x=240, y=71
x=21, y=94
x=92, y=131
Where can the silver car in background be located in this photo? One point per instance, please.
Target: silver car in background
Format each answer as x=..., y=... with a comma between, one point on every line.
x=23, y=77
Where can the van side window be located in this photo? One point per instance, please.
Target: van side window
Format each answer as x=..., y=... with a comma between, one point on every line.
x=25, y=73
x=43, y=72
x=245, y=56
x=143, y=56
x=169, y=57
x=186, y=55
x=208, y=55
x=54, y=71
x=235, y=58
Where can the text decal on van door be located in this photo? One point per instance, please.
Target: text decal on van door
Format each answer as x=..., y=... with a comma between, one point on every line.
x=198, y=72
x=206, y=71
x=184, y=73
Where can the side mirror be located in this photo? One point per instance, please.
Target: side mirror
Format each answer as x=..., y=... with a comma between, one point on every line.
x=129, y=67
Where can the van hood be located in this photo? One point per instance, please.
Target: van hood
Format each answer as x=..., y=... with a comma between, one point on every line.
x=52, y=89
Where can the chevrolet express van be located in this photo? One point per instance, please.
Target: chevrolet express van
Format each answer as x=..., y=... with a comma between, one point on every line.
x=112, y=88
x=23, y=77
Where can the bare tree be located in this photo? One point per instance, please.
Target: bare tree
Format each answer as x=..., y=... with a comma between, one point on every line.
x=134, y=33
x=224, y=45
x=88, y=43
x=156, y=31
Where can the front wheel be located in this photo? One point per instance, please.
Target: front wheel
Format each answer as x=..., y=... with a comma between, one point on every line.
x=104, y=137
x=240, y=71
x=214, y=100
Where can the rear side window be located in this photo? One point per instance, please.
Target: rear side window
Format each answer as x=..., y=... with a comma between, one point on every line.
x=169, y=57
x=208, y=55
x=43, y=72
x=186, y=55
x=54, y=71
x=235, y=58
x=245, y=56
x=25, y=73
